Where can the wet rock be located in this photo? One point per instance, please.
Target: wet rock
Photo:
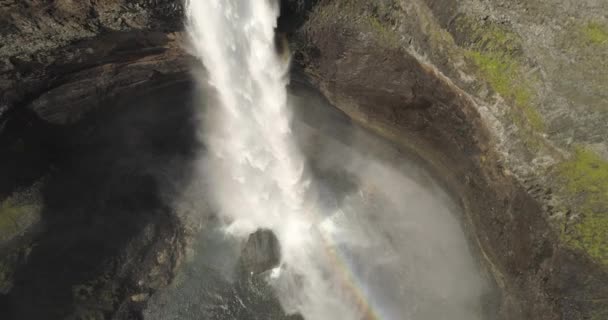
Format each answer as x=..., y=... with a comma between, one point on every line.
x=261, y=253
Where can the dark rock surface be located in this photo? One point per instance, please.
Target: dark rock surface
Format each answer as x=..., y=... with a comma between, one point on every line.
x=109, y=237
x=111, y=65
x=105, y=238
x=92, y=71
x=262, y=252
x=41, y=42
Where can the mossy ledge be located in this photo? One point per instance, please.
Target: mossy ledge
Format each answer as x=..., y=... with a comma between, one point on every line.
x=585, y=179
x=19, y=211
x=496, y=54
x=595, y=33
x=508, y=188
x=375, y=18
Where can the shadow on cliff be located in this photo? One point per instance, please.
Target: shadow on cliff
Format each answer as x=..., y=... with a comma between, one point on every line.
x=109, y=183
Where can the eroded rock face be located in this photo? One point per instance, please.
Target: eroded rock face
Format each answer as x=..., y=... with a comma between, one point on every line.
x=109, y=237
x=60, y=61
x=466, y=85
x=34, y=26
x=40, y=40
x=108, y=66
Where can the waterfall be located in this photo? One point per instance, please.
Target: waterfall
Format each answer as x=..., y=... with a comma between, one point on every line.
x=390, y=249
x=258, y=170
x=260, y=166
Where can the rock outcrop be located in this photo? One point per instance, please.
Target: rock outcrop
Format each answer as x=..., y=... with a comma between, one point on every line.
x=262, y=252
x=505, y=101
x=59, y=61
x=43, y=44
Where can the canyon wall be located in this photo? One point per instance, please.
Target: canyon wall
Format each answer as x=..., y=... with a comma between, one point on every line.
x=505, y=100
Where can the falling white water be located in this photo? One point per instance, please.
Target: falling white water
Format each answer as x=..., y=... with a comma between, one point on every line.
x=250, y=127
x=335, y=265
x=259, y=170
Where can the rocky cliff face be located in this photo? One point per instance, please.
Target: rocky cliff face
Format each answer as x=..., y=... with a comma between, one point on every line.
x=60, y=61
x=46, y=44
x=505, y=100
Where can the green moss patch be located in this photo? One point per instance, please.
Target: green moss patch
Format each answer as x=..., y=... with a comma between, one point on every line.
x=383, y=33
x=487, y=36
x=595, y=33
x=11, y=213
x=362, y=16
x=504, y=74
x=588, y=173
x=496, y=53
x=585, y=179
x=18, y=212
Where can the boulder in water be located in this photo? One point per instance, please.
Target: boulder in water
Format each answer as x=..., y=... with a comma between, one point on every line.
x=261, y=253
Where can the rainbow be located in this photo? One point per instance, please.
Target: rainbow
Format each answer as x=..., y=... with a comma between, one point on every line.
x=351, y=282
